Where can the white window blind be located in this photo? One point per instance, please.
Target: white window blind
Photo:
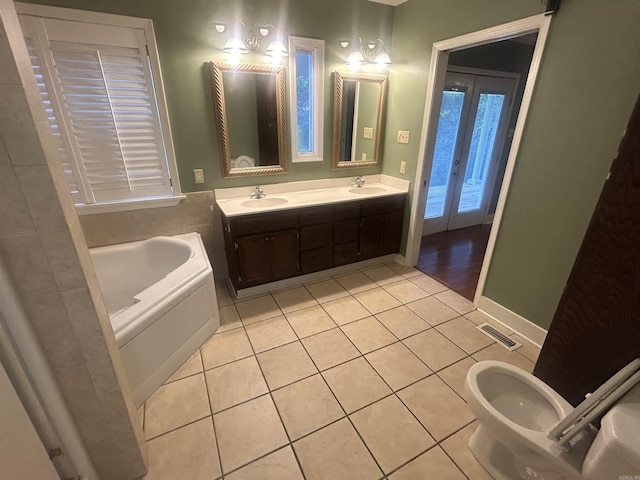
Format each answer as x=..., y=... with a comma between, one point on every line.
x=97, y=89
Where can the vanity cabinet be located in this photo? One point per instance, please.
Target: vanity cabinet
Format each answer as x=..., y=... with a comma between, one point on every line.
x=381, y=227
x=315, y=239
x=266, y=247
x=261, y=248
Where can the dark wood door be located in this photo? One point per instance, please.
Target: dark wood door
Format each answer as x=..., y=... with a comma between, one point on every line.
x=283, y=254
x=392, y=233
x=371, y=229
x=596, y=328
x=253, y=259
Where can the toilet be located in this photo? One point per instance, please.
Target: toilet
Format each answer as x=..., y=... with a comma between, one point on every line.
x=244, y=161
x=528, y=431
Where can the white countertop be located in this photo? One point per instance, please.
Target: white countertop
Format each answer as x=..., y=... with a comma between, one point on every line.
x=285, y=196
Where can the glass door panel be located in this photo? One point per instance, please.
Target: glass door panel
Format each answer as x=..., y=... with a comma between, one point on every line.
x=481, y=149
x=446, y=140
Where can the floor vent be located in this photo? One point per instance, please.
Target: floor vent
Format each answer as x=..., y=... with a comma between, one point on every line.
x=499, y=337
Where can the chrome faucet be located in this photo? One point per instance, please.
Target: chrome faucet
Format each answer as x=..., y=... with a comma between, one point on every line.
x=259, y=193
x=359, y=183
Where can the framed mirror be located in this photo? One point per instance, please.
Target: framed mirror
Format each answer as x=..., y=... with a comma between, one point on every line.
x=249, y=102
x=358, y=112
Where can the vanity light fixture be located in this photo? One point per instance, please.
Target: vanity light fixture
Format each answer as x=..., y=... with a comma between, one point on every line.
x=374, y=52
x=241, y=43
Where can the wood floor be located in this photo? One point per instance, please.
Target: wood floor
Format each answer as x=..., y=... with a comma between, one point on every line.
x=455, y=258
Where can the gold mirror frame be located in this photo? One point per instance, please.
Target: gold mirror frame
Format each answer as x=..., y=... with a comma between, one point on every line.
x=221, y=116
x=337, y=117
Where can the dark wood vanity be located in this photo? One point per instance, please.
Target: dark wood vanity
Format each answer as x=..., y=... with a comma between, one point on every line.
x=270, y=246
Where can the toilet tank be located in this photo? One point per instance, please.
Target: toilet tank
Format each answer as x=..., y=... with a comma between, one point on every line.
x=615, y=453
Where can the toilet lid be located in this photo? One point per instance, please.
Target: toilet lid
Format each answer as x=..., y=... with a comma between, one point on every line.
x=244, y=161
x=596, y=404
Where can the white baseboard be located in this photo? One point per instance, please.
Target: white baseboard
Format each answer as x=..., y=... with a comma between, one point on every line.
x=523, y=327
x=310, y=277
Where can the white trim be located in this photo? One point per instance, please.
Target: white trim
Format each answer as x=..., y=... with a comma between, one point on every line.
x=81, y=15
x=435, y=83
x=484, y=73
x=513, y=152
x=316, y=48
x=310, y=277
x=123, y=206
x=523, y=327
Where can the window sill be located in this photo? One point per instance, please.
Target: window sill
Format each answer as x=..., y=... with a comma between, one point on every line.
x=129, y=205
x=305, y=159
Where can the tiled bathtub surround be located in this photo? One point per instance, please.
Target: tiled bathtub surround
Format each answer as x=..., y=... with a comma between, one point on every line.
x=354, y=377
x=44, y=250
x=193, y=214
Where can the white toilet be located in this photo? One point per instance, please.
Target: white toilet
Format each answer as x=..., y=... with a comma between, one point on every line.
x=528, y=431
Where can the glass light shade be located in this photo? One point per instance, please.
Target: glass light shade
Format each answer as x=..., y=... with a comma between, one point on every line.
x=276, y=49
x=383, y=58
x=234, y=46
x=355, y=58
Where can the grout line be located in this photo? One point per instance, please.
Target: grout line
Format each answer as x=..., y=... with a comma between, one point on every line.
x=319, y=372
x=275, y=405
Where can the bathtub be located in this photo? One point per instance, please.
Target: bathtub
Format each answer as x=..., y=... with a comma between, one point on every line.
x=162, y=305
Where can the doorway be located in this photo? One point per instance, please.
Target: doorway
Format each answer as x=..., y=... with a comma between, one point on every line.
x=474, y=113
x=439, y=65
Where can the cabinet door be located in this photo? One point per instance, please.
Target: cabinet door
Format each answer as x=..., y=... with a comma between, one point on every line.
x=371, y=229
x=253, y=259
x=392, y=233
x=283, y=254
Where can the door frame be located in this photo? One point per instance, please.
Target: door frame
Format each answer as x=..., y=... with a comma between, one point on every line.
x=435, y=83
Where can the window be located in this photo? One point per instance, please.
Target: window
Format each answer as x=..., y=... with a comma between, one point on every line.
x=105, y=108
x=306, y=87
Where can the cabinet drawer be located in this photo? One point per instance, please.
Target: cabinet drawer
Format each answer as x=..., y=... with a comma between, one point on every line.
x=311, y=216
x=315, y=236
x=346, y=230
x=383, y=205
x=268, y=222
x=315, y=260
x=345, y=253
x=347, y=210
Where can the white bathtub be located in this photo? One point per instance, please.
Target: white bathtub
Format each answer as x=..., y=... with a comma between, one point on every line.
x=162, y=304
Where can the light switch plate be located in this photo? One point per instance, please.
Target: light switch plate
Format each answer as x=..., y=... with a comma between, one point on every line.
x=198, y=175
x=403, y=136
x=368, y=133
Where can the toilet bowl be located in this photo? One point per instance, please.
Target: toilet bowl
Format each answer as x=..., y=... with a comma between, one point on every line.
x=516, y=413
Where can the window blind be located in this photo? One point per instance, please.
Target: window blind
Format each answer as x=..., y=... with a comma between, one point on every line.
x=110, y=140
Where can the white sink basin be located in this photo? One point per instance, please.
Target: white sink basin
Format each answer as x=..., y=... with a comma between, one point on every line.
x=264, y=202
x=367, y=190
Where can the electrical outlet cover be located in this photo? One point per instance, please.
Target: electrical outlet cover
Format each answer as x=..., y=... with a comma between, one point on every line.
x=198, y=175
x=403, y=136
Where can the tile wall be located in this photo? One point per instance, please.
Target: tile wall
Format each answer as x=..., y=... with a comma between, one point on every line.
x=193, y=214
x=45, y=253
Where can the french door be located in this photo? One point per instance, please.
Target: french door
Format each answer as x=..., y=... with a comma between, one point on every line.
x=471, y=133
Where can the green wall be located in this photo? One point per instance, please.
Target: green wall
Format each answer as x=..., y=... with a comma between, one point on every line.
x=588, y=81
x=187, y=41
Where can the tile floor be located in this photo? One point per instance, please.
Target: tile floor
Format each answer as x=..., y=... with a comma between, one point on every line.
x=354, y=377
